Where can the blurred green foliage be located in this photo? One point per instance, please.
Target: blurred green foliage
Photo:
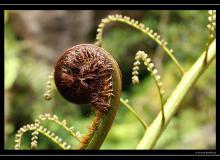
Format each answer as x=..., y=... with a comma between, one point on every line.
x=186, y=33
x=12, y=62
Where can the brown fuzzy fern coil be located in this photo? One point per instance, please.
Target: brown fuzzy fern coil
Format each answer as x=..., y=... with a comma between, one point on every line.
x=83, y=74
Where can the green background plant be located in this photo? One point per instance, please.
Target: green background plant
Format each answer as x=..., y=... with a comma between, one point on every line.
x=186, y=33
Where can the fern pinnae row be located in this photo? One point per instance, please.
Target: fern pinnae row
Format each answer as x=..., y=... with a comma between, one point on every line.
x=48, y=93
x=34, y=138
x=211, y=29
x=54, y=118
x=141, y=55
x=212, y=23
x=141, y=27
x=36, y=128
x=20, y=133
x=56, y=139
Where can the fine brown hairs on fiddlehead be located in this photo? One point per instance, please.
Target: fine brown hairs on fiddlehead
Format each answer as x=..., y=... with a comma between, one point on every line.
x=84, y=75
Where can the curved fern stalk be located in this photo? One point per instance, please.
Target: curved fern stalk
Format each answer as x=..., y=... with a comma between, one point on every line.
x=38, y=128
x=141, y=27
x=125, y=102
x=54, y=118
x=106, y=121
x=141, y=55
x=91, y=130
x=172, y=105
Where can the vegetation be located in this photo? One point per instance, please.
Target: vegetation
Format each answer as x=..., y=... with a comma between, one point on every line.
x=186, y=88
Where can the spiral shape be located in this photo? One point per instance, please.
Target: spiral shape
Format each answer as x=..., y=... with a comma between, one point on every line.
x=83, y=74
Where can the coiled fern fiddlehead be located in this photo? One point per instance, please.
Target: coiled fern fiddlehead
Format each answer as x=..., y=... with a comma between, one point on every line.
x=86, y=73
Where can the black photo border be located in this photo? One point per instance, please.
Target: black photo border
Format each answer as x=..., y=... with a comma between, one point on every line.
x=109, y=153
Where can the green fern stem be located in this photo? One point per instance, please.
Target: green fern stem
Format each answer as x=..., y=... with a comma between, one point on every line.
x=134, y=113
x=172, y=105
x=101, y=132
